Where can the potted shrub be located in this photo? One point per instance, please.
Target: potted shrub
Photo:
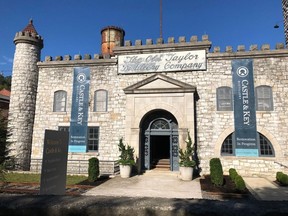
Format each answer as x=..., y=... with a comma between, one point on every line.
x=186, y=162
x=126, y=160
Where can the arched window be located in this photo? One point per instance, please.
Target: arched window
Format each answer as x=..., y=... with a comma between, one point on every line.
x=264, y=98
x=227, y=147
x=60, y=98
x=224, y=99
x=265, y=146
x=160, y=124
x=100, y=101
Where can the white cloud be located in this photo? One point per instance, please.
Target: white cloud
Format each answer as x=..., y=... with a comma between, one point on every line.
x=9, y=60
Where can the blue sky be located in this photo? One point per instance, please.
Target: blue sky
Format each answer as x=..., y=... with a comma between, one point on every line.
x=72, y=27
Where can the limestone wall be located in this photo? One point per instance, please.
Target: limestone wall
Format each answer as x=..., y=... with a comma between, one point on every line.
x=212, y=126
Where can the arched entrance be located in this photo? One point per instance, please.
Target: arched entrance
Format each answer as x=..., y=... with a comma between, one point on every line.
x=159, y=140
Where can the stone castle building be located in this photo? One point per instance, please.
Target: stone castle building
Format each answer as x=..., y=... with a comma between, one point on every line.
x=152, y=95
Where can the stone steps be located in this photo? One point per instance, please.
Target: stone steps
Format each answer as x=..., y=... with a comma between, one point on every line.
x=162, y=164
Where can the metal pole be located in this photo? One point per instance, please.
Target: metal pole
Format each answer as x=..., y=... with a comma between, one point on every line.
x=285, y=21
x=161, y=19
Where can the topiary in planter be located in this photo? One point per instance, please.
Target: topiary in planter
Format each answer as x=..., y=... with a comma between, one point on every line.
x=93, y=169
x=126, y=154
x=186, y=156
x=239, y=183
x=216, y=172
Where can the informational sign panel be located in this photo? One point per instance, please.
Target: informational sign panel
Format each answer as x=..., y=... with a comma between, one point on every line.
x=79, y=111
x=162, y=62
x=54, y=163
x=244, y=108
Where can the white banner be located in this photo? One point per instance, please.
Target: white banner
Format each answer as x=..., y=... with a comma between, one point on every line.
x=162, y=62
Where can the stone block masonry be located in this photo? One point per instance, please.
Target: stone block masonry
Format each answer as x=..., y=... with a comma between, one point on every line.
x=212, y=126
x=23, y=96
x=188, y=95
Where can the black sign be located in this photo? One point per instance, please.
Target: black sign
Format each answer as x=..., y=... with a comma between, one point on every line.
x=244, y=108
x=54, y=164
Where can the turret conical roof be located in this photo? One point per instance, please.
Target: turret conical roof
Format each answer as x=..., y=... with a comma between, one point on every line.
x=29, y=35
x=30, y=28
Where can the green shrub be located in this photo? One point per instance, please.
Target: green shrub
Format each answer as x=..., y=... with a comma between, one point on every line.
x=216, y=172
x=279, y=176
x=239, y=183
x=232, y=174
x=284, y=179
x=93, y=169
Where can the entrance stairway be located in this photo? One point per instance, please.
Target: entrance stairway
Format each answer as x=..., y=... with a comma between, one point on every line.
x=161, y=164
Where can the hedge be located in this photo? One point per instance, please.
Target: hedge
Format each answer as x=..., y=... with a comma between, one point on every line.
x=240, y=183
x=216, y=172
x=282, y=178
x=232, y=174
x=93, y=169
x=237, y=179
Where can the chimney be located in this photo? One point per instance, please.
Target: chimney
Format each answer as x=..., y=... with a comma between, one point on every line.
x=111, y=36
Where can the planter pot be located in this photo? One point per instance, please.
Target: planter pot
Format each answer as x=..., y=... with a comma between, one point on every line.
x=186, y=173
x=125, y=171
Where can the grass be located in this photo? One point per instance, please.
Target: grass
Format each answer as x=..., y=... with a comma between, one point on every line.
x=35, y=178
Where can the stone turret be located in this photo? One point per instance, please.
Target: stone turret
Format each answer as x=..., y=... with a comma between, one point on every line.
x=23, y=93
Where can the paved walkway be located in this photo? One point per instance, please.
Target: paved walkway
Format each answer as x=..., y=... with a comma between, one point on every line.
x=266, y=189
x=160, y=184
x=153, y=193
x=165, y=184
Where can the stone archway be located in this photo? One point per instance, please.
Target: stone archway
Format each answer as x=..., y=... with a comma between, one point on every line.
x=159, y=139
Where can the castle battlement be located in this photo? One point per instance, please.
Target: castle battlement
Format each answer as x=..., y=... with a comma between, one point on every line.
x=28, y=37
x=77, y=57
x=171, y=40
x=254, y=47
x=172, y=45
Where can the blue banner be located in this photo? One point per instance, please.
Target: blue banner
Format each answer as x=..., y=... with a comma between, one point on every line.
x=79, y=110
x=244, y=108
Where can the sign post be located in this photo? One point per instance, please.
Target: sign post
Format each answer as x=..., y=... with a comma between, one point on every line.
x=244, y=108
x=54, y=163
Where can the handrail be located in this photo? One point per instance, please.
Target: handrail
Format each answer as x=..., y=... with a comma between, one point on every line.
x=281, y=164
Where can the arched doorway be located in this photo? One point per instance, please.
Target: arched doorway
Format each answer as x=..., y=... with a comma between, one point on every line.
x=159, y=140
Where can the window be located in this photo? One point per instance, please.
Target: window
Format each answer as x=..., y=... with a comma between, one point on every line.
x=59, y=101
x=264, y=98
x=160, y=124
x=227, y=146
x=224, y=99
x=100, y=101
x=92, y=137
x=265, y=146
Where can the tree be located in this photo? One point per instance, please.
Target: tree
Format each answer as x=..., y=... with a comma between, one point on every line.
x=4, y=147
x=5, y=82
